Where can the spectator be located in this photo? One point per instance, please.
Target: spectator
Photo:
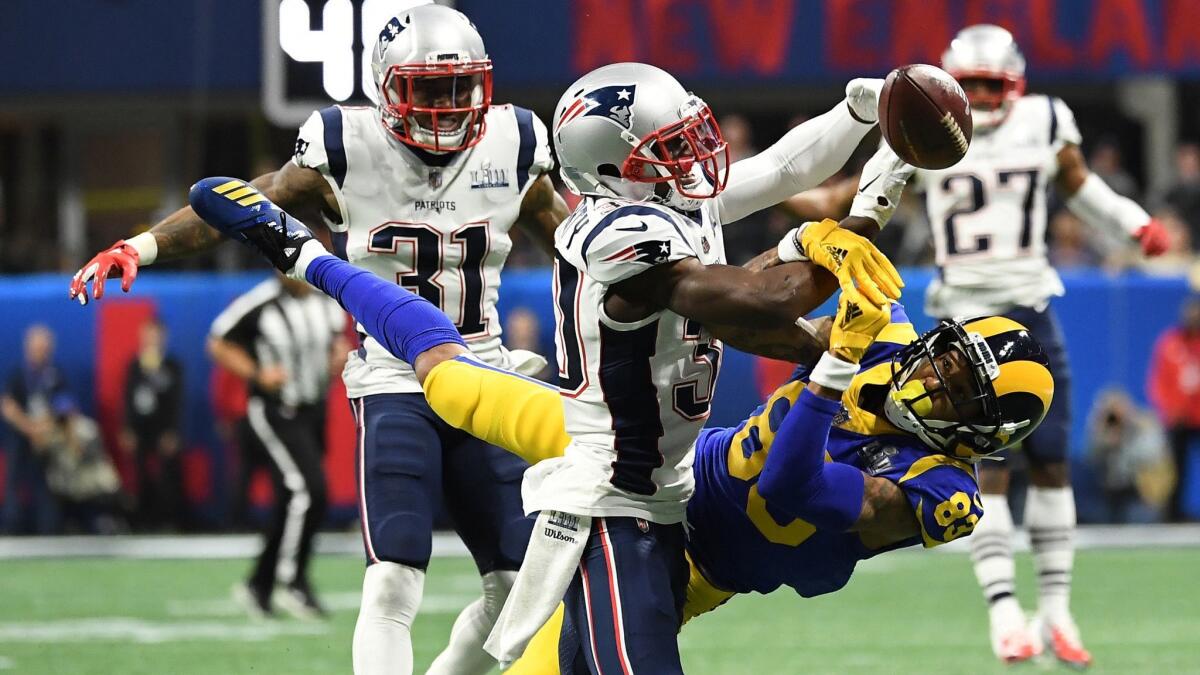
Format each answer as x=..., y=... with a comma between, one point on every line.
x=1106, y=162
x=1173, y=384
x=80, y=472
x=1128, y=449
x=28, y=502
x=153, y=396
x=1184, y=195
x=1071, y=244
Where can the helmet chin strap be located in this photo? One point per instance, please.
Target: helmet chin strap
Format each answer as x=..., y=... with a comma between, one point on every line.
x=678, y=201
x=902, y=406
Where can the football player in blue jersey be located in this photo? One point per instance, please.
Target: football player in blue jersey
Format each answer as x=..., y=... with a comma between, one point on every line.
x=869, y=450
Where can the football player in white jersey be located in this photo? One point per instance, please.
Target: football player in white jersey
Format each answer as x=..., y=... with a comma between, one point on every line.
x=988, y=214
x=421, y=190
x=642, y=296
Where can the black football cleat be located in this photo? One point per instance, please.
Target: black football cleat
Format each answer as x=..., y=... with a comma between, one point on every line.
x=241, y=212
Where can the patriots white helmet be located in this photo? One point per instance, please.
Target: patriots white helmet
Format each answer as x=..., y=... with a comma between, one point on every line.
x=434, y=79
x=988, y=55
x=631, y=130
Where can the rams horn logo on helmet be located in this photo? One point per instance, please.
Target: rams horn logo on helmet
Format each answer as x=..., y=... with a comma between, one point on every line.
x=614, y=103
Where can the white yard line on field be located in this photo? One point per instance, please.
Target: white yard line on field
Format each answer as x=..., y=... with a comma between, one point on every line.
x=130, y=629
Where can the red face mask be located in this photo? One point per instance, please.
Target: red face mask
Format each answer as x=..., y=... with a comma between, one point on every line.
x=428, y=102
x=669, y=154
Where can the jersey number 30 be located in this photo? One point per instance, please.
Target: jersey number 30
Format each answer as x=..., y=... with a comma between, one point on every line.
x=428, y=267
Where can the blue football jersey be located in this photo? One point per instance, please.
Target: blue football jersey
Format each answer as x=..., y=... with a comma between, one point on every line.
x=739, y=543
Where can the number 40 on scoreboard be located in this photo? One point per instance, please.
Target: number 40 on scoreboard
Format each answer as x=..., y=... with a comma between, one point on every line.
x=319, y=51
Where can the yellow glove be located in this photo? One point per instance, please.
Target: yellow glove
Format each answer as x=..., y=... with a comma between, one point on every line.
x=852, y=258
x=857, y=324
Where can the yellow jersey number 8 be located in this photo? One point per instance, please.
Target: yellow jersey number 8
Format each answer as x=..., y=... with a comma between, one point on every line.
x=955, y=509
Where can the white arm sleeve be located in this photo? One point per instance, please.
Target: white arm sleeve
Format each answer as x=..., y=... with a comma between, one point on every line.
x=802, y=159
x=1097, y=204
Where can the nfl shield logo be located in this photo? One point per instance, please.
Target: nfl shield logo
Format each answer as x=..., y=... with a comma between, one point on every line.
x=435, y=179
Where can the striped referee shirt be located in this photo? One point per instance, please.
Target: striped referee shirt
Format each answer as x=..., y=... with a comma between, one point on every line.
x=278, y=328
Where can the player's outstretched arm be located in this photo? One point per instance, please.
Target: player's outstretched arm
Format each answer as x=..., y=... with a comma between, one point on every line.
x=804, y=157
x=183, y=233
x=796, y=479
x=1090, y=198
x=542, y=209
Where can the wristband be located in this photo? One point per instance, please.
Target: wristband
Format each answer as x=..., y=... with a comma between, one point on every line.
x=146, y=246
x=789, y=247
x=833, y=372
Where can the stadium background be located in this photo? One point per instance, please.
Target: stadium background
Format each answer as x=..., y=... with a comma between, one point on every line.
x=109, y=109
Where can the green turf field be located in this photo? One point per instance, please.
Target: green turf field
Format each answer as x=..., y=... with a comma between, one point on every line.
x=907, y=612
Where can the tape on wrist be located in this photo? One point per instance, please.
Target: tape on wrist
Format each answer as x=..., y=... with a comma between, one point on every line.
x=833, y=372
x=789, y=247
x=146, y=247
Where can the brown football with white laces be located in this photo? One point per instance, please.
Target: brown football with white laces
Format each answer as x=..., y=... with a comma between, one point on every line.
x=925, y=117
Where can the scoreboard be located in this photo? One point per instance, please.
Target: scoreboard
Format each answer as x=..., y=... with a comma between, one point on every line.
x=318, y=52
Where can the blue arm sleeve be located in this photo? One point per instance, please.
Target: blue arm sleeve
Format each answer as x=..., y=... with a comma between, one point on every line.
x=797, y=480
x=404, y=323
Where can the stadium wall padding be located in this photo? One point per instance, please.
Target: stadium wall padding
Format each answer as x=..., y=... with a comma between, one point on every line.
x=1110, y=322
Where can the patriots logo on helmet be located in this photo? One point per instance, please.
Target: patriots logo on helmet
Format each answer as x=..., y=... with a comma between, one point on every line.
x=614, y=103
x=389, y=33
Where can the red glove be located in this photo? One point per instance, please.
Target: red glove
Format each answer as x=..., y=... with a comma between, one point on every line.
x=120, y=256
x=1153, y=238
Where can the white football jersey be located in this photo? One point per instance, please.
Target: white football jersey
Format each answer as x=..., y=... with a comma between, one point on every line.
x=436, y=225
x=634, y=394
x=988, y=214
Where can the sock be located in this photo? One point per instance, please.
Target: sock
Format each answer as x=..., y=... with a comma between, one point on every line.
x=404, y=323
x=309, y=251
x=992, y=555
x=1050, y=517
x=464, y=655
x=383, y=635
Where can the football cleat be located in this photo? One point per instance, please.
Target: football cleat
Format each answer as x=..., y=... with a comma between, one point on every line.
x=256, y=603
x=1012, y=639
x=1015, y=646
x=241, y=212
x=299, y=601
x=1062, y=638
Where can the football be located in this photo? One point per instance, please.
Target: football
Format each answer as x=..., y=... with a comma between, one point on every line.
x=924, y=116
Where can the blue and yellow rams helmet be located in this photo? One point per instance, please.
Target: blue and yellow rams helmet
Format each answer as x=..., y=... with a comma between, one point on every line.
x=1003, y=396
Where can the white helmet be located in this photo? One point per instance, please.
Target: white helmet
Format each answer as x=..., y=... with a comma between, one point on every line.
x=631, y=130
x=434, y=79
x=987, y=52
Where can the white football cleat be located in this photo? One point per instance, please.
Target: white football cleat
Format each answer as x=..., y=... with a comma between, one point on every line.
x=1012, y=639
x=1062, y=639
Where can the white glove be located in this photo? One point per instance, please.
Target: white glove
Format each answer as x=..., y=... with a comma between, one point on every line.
x=527, y=363
x=862, y=95
x=880, y=186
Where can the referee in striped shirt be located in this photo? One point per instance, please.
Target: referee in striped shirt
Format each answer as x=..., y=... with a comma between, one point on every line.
x=284, y=340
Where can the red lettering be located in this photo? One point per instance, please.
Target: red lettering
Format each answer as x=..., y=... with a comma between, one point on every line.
x=1119, y=25
x=848, y=44
x=1180, y=20
x=752, y=34
x=1047, y=48
x=602, y=32
x=668, y=27
x=920, y=31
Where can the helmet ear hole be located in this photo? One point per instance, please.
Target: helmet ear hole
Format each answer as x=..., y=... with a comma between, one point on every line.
x=609, y=170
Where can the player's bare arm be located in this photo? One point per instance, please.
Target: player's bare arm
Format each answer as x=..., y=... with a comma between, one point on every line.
x=301, y=191
x=1088, y=196
x=887, y=517
x=542, y=209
